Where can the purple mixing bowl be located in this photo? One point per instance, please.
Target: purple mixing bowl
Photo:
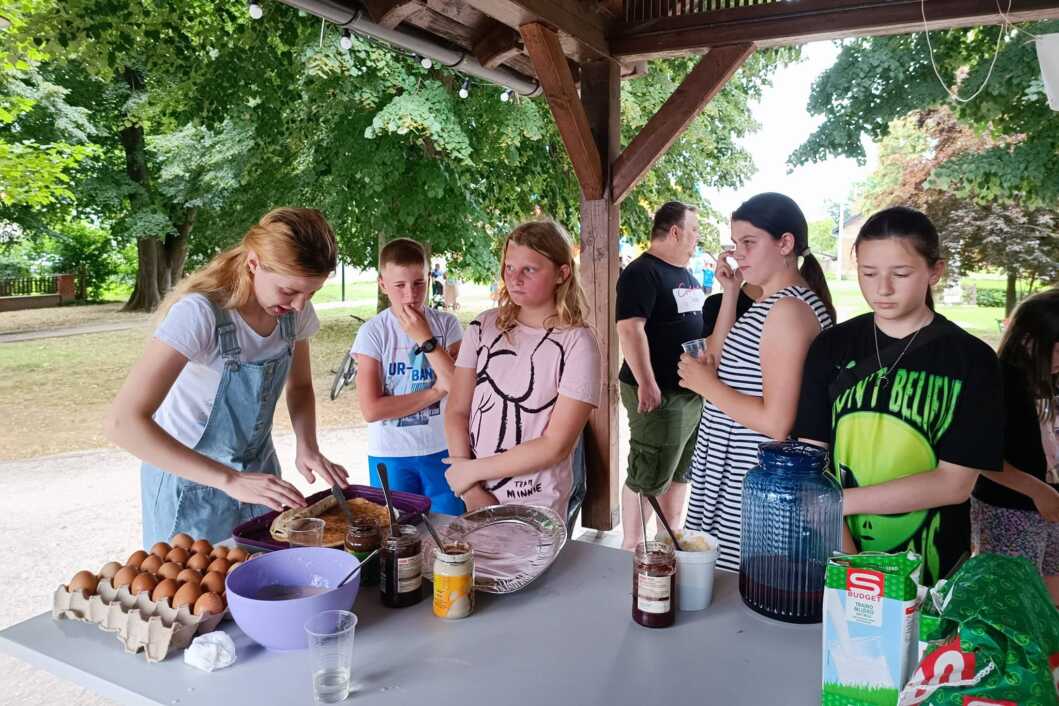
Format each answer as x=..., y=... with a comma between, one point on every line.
x=278, y=623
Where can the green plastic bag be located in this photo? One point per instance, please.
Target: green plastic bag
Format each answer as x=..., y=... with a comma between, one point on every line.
x=992, y=637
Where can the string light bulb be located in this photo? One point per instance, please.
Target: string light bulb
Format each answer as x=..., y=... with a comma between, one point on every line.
x=346, y=40
x=505, y=96
x=254, y=8
x=425, y=62
x=465, y=89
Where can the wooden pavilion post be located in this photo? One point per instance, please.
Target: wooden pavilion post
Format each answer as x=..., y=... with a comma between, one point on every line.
x=590, y=128
x=600, y=252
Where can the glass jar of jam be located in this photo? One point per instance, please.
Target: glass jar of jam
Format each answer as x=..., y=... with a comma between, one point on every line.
x=654, y=581
x=454, y=581
x=401, y=568
x=362, y=539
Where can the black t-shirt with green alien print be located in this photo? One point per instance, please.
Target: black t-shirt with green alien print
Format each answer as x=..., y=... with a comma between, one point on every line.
x=942, y=402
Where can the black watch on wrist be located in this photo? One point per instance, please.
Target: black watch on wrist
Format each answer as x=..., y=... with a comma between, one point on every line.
x=426, y=346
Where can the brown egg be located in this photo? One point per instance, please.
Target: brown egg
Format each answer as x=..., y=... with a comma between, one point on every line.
x=83, y=581
x=219, y=552
x=109, y=569
x=238, y=554
x=234, y=566
x=209, y=603
x=160, y=549
x=213, y=582
x=187, y=595
x=169, y=570
x=189, y=575
x=178, y=555
x=198, y=562
x=201, y=546
x=136, y=558
x=152, y=564
x=182, y=540
x=165, y=589
x=143, y=582
x=125, y=576
x=219, y=565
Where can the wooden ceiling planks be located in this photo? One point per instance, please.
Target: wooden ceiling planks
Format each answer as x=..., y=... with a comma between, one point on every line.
x=786, y=23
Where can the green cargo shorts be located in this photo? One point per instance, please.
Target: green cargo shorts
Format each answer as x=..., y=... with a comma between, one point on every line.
x=661, y=442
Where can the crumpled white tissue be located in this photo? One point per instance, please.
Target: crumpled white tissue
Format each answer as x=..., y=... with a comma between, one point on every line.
x=213, y=650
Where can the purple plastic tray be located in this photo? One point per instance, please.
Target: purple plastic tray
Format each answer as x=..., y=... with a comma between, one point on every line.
x=409, y=506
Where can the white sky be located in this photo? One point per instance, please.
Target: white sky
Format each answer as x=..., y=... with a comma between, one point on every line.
x=785, y=124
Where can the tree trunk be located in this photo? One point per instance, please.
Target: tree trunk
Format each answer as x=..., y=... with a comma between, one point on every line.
x=1012, y=296
x=145, y=295
x=152, y=269
x=176, y=249
x=383, y=301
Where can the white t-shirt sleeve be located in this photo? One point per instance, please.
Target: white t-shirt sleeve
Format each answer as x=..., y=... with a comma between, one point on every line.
x=368, y=340
x=307, y=323
x=188, y=328
x=453, y=332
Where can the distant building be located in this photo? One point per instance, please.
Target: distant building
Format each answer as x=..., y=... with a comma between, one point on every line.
x=845, y=265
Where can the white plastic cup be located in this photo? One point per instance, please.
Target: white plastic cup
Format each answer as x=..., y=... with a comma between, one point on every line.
x=694, y=570
x=695, y=347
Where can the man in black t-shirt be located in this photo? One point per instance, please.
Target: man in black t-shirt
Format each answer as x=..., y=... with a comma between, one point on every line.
x=659, y=307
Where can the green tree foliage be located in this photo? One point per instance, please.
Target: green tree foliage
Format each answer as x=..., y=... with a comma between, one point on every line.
x=823, y=235
x=879, y=79
x=203, y=119
x=976, y=233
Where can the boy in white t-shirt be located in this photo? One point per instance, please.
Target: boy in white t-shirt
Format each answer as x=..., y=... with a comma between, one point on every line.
x=405, y=362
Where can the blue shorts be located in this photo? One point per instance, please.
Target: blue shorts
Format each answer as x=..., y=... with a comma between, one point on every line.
x=424, y=475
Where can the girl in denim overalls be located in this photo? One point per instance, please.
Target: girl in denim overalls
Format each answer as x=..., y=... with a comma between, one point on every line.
x=198, y=406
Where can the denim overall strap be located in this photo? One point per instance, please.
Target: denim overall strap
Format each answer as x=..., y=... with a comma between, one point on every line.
x=238, y=434
x=287, y=330
x=226, y=338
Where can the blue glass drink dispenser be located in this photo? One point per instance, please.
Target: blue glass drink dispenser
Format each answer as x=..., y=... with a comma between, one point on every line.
x=792, y=523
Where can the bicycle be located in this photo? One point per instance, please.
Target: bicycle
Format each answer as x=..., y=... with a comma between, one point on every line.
x=346, y=374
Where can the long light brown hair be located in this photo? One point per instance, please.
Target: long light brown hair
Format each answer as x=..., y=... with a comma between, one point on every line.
x=550, y=240
x=297, y=242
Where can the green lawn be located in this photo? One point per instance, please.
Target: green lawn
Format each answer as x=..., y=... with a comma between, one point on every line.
x=978, y=320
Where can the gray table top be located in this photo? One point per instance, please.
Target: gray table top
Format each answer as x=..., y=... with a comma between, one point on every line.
x=566, y=639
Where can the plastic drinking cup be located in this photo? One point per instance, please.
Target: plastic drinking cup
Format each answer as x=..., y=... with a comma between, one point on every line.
x=306, y=532
x=331, y=654
x=695, y=347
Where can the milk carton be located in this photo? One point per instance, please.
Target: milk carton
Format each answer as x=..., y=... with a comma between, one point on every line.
x=870, y=627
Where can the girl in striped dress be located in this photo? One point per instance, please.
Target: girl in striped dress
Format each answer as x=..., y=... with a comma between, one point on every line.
x=752, y=371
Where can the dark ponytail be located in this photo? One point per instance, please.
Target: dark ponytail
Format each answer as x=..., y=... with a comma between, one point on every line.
x=777, y=214
x=908, y=224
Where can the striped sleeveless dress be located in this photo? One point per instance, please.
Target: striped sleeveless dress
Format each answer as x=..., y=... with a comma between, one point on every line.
x=725, y=449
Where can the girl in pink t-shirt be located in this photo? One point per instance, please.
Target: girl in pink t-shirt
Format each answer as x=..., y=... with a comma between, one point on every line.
x=527, y=377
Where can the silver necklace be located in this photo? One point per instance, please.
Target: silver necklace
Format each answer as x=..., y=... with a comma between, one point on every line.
x=884, y=378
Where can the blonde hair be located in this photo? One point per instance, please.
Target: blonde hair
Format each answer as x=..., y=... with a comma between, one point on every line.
x=550, y=240
x=296, y=242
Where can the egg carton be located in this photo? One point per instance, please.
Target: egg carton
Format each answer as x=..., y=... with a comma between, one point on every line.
x=139, y=623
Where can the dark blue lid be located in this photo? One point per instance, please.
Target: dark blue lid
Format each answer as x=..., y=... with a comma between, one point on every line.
x=792, y=456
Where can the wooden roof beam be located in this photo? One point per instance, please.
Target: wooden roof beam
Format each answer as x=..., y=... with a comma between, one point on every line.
x=497, y=45
x=557, y=81
x=786, y=23
x=390, y=13
x=587, y=29
x=691, y=96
